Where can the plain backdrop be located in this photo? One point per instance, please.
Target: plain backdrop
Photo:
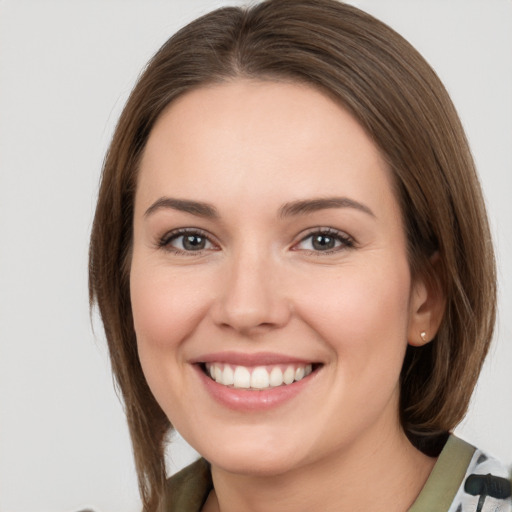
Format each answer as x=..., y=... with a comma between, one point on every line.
x=66, y=68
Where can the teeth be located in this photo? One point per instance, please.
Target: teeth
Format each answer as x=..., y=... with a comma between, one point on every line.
x=289, y=375
x=228, y=376
x=242, y=377
x=259, y=377
x=276, y=377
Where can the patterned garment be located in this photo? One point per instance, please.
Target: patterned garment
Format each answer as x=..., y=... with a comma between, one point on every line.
x=486, y=487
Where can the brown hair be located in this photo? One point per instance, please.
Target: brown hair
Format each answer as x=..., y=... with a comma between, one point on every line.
x=395, y=95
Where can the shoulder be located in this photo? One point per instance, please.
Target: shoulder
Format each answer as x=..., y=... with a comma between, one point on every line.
x=187, y=490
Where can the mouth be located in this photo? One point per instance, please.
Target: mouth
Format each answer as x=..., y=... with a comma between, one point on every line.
x=257, y=378
x=261, y=381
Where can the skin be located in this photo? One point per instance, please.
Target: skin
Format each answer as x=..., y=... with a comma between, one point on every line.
x=259, y=285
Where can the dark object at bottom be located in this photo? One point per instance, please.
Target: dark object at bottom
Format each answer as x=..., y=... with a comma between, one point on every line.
x=487, y=485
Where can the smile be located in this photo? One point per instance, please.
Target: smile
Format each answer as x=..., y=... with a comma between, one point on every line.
x=255, y=382
x=257, y=378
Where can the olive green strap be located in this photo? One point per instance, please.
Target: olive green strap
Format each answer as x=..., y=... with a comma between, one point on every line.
x=188, y=489
x=446, y=477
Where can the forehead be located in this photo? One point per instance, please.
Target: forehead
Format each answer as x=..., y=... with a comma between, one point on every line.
x=260, y=137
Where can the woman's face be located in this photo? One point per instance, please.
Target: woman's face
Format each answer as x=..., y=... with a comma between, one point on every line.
x=269, y=250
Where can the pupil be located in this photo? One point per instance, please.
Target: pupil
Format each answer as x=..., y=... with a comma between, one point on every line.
x=193, y=242
x=323, y=242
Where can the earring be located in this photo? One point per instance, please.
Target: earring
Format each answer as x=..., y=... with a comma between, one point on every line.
x=423, y=336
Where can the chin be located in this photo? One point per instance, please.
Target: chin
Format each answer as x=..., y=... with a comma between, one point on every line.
x=256, y=464
x=253, y=458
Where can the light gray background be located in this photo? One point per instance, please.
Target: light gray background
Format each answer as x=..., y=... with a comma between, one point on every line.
x=66, y=68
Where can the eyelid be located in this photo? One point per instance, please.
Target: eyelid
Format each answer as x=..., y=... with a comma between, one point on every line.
x=346, y=241
x=164, y=242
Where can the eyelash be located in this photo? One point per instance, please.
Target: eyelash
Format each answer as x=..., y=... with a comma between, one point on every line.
x=165, y=241
x=345, y=241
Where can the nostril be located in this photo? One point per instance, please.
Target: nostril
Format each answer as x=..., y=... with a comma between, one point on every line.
x=248, y=304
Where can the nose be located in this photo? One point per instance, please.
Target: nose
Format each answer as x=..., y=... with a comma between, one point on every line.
x=252, y=298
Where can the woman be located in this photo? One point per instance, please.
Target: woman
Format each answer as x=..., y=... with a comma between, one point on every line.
x=292, y=262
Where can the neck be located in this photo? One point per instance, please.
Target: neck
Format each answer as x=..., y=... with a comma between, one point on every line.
x=379, y=473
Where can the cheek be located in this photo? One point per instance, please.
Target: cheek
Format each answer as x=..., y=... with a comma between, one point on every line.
x=361, y=313
x=166, y=307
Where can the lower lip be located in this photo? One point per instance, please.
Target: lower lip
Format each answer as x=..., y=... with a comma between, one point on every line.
x=253, y=400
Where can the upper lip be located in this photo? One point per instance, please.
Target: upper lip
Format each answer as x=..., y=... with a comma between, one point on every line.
x=245, y=359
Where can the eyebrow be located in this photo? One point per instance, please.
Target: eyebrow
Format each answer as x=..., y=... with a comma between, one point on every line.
x=197, y=208
x=291, y=209
x=306, y=206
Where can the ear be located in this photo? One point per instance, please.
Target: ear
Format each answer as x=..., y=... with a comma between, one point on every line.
x=427, y=306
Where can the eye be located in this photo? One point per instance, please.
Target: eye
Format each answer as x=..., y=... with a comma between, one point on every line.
x=186, y=241
x=325, y=240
